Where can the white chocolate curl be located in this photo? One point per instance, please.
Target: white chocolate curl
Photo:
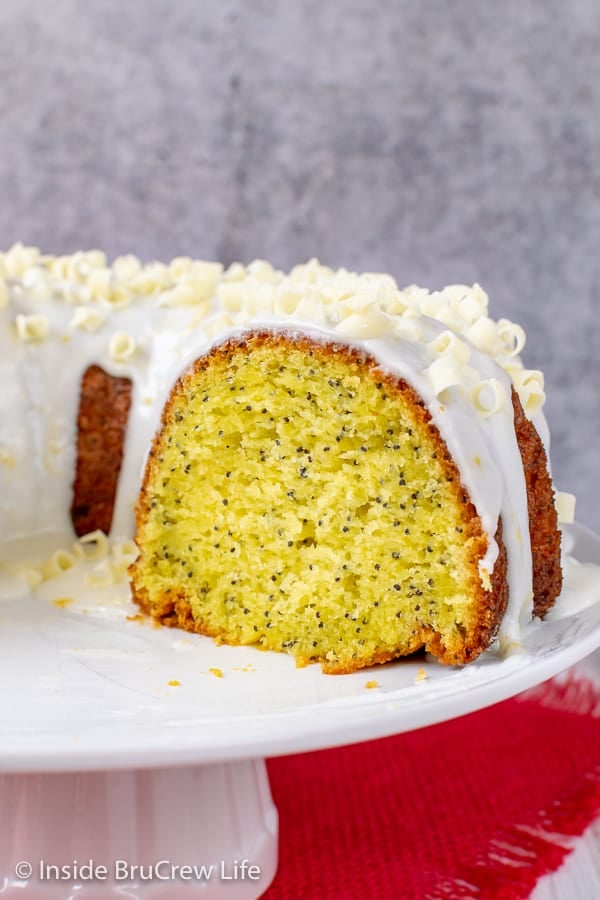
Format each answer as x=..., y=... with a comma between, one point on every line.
x=407, y=329
x=126, y=267
x=123, y=554
x=122, y=346
x=443, y=373
x=565, y=507
x=489, y=397
x=258, y=299
x=60, y=561
x=484, y=335
x=235, y=272
x=124, y=551
x=32, y=328
x=370, y=323
x=433, y=304
x=184, y=294
x=101, y=576
x=219, y=325
x=261, y=270
x=474, y=305
x=98, y=283
x=286, y=301
x=311, y=310
x=529, y=384
x=20, y=258
x=3, y=294
x=512, y=337
x=231, y=295
x=448, y=342
x=93, y=545
x=88, y=318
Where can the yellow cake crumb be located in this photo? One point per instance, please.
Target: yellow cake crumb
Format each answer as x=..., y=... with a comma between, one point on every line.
x=421, y=674
x=372, y=684
x=332, y=525
x=174, y=683
x=485, y=578
x=216, y=672
x=63, y=601
x=143, y=620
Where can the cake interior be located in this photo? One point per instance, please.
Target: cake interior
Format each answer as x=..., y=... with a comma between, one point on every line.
x=299, y=499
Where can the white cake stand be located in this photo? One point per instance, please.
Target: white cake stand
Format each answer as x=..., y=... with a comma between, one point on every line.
x=121, y=748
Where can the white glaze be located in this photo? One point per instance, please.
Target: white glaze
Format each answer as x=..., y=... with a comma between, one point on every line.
x=41, y=381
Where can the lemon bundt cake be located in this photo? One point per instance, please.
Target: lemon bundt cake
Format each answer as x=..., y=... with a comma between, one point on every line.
x=317, y=463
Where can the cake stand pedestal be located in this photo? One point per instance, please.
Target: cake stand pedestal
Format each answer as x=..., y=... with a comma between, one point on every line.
x=207, y=831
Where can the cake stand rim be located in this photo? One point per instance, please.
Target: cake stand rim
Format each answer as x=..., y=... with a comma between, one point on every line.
x=329, y=728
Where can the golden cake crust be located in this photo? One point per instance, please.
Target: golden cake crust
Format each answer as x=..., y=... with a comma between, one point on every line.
x=101, y=424
x=543, y=519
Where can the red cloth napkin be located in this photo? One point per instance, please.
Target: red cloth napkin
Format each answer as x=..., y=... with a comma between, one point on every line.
x=478, y=807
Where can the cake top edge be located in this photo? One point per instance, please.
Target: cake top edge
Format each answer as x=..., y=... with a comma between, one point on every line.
x=356, y=306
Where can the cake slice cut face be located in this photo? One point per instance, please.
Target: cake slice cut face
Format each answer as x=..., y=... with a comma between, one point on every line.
x=298, y=498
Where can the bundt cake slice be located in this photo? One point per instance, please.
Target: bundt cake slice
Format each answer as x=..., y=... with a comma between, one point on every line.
x=299, y=498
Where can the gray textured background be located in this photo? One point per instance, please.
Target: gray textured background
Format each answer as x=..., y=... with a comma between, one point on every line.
x=440, y=141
